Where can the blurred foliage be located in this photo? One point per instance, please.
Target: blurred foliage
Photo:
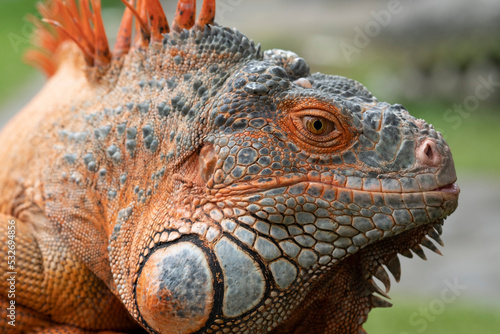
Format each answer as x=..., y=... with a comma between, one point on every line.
x=14, y=38
x=412, y=316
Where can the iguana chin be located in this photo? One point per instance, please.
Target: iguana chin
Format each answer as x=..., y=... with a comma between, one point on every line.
x=189, y=183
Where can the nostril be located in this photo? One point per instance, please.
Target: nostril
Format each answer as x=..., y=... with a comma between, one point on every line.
x=427, y=153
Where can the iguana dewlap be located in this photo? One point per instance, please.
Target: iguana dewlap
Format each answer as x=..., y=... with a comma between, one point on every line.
x=188, y=182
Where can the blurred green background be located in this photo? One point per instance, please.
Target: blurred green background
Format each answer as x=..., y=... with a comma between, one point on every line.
x=440, y=59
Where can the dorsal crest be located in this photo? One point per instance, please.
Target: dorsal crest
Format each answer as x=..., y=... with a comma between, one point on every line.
x=80, y=22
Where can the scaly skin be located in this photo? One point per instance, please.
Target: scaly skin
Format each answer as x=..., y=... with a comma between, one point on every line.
x=199, y=185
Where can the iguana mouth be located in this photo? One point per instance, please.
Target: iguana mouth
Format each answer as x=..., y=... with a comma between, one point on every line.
x=270, y=183
x=451, y=188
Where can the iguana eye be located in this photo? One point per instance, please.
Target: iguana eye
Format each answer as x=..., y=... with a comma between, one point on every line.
x=318, y=129
x=318, y=125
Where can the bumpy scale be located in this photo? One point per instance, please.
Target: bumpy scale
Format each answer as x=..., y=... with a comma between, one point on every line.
x=187, y=182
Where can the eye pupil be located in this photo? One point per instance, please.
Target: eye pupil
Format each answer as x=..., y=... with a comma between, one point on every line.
x=318, y=125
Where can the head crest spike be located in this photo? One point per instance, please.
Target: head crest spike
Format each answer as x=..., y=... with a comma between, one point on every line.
x=141, y=24
x=45, y=39
x=123, y=39
x=207, y=13
x=74, y=22
x=43, y=9
x=41, y=61
x=184, y=17
x=85, y=21
x=72, y=11
x=158, y=20
x=86, y=53
x=67, y=19
x=102, y=53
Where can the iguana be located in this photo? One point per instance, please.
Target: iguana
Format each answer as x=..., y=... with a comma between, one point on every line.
x=188, y=182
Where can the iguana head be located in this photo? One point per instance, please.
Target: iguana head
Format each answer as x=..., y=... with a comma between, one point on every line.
x=250, y=194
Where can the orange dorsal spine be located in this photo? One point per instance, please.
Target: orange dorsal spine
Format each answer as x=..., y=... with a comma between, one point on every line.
x=207, y=13
x=184, y=17
x=102, y=55
x=80, y=22
x=158, y=20
x=122, y=45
